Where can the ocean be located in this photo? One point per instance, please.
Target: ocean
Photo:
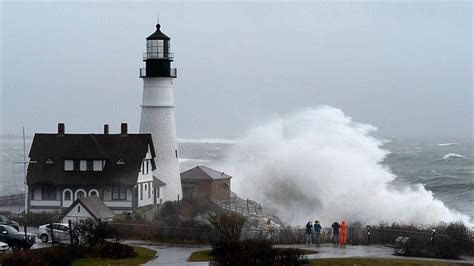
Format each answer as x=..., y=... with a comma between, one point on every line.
x=444, y=166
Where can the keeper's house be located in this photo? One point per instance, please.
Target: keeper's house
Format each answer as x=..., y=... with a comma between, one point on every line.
x=117, y=168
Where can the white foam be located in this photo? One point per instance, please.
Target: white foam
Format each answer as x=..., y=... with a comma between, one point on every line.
x=319, y=164
x=448, y=144
x=454, y=156
x=208, y=140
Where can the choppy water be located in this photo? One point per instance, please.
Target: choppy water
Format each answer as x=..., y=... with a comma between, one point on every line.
x=444, y=166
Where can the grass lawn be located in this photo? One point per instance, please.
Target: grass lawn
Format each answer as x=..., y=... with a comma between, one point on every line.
x=201, y=255
x=377, y=262
x=205, y=255
x=144, y=255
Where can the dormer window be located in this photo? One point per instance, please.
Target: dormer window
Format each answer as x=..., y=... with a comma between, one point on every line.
x=120, y=162
x=49, y=161
x=84, y=165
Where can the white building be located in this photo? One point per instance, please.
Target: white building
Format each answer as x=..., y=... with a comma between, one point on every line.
x=118, y=168
x=87, y=208
x=158, y=113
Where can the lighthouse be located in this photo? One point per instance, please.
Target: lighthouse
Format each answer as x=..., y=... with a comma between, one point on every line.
x=158, y=114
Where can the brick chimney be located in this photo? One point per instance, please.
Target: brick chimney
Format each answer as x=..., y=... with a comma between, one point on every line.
x=106, y=129
x=124, y=129
x=60, y=129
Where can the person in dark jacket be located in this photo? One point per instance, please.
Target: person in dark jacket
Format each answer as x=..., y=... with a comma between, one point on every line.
x=317, y=230
x=309, y=234
x=335, y=232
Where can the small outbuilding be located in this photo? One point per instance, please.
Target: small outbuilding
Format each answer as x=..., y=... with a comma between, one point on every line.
x=202, y=181
x=88, y=208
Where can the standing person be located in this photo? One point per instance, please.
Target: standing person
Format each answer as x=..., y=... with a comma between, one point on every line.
x=309, y=226
x=335, y=231
x=342, y=240
x=317, y=229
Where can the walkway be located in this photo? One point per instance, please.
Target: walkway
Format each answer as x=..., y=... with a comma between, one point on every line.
x=372, y=251
x=170, y=255
x=178, y=255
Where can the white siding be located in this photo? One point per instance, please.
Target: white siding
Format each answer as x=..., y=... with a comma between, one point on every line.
x=148, y=194
x=75, y=215
x=68, y=165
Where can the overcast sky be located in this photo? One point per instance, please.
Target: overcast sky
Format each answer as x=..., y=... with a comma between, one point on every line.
x=404, y=68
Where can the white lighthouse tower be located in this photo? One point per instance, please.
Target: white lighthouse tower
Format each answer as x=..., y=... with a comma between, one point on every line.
x=158, y=115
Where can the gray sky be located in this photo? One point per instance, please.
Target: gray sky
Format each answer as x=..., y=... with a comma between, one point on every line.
x=405, y=68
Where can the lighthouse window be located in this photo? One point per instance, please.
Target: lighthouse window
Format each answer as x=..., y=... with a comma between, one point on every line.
x=155, y=49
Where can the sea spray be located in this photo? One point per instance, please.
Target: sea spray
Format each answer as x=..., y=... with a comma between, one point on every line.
x=319, y=164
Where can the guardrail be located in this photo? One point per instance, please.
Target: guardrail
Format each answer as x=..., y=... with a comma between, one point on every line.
x=157, y=55
x=288, y=235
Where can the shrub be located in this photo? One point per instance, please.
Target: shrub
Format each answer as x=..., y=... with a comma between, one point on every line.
x=93, y=233
x=114, y=250
x=64, y=255
x=290, y=256
x=253, y=252
x=228, y=225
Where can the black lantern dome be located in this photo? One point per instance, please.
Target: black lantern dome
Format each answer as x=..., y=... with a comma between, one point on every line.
x=158, y=35
x=158, y=57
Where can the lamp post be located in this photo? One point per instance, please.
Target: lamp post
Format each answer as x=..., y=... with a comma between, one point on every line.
x=433, y=233
x=368, y=227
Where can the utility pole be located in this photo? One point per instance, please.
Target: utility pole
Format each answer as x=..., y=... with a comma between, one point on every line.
x=25, y=163
x=24, y=174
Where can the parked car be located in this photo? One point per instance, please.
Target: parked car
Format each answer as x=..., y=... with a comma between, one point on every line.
x=60, y=233
x=7, y=221
x=4, y=247
x=16, y=240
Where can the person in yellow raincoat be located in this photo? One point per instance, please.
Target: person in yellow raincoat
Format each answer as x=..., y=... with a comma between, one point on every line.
x=343, y=233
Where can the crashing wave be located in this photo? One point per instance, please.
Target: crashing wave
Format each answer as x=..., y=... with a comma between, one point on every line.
x=318, y=163
x=454, y=156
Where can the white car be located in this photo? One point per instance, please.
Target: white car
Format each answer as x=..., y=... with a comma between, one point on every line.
x=60, y=233
x=4, y=247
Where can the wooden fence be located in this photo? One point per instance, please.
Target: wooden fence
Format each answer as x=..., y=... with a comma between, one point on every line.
x=249, y=210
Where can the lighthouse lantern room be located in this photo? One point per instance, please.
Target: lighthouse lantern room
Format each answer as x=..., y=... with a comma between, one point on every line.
x=158, y=56
x=158, y=113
